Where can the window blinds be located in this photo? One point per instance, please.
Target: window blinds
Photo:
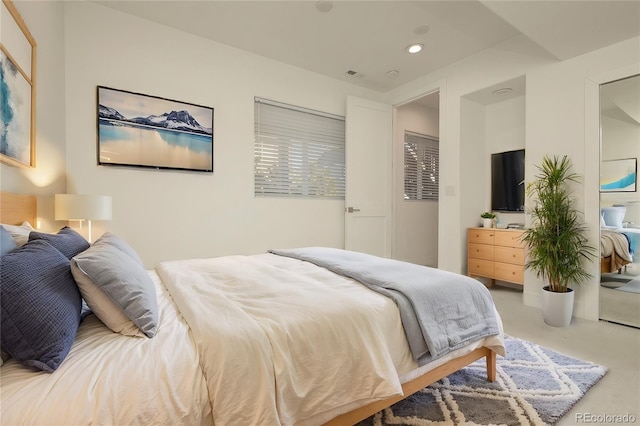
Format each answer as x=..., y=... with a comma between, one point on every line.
x=298, y=152
x=421, y=167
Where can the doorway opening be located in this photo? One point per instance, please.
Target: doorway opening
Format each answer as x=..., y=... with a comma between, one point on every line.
x=416, y=167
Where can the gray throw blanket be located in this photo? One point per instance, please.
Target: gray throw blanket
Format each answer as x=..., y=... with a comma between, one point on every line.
x=440, y=311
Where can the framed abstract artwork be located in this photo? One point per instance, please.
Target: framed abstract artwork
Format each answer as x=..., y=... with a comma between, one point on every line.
x=139, y=130
x=619, y=175
x=17, y=89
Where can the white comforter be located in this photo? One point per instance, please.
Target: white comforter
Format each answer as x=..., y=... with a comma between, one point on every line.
x=111, y=379
x=277, y=338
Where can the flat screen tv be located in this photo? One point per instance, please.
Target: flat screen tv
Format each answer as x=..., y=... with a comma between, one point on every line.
x=139, y=130
x=507, y=181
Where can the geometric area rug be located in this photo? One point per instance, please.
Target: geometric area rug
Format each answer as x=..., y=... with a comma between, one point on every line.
x=534, y=386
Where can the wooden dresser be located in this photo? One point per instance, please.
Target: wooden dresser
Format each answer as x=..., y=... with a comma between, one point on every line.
x=496, y=253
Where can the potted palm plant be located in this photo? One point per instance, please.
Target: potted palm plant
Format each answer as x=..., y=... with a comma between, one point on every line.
x=556, y=240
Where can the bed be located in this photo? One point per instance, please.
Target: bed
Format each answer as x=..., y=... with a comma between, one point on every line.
x=260, y=339
x=616, y=242
x=615, y=251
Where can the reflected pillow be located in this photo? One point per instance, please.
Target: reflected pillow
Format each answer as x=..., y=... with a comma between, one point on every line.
x=67, y=241
x=40, y=305
x=117, y=288
x=613, y=216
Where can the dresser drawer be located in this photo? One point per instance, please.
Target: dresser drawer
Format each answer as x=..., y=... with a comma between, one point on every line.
x=480, y=251
x=480, y=236
x=509, y=272
x=509, y=255
x=508, y=238
x=480, y=268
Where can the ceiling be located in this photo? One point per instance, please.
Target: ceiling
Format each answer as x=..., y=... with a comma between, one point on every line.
x=369, y=38
x=621, y=100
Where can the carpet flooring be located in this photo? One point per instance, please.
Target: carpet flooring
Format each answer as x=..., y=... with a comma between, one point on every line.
x=534, y=386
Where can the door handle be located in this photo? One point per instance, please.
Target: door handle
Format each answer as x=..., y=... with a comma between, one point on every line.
x=352, y=210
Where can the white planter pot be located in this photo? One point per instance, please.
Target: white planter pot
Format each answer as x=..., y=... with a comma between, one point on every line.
x=487, y=223
x=557, y=308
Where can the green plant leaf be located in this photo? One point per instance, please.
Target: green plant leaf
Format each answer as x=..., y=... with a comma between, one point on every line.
x=557, y=242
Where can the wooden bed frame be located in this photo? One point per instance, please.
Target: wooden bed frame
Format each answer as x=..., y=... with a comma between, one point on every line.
x=17, y=208
x=413, y=386
x=607, y=265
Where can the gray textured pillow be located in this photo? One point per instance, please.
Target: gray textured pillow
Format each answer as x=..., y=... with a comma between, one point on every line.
x=67, y=241
x=40, y=305
x=103, y=270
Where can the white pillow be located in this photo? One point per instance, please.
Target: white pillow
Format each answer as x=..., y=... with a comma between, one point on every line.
x=613, y=215
x=20, y=233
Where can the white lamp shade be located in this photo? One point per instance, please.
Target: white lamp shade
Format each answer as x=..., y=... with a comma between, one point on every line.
x=82, y=207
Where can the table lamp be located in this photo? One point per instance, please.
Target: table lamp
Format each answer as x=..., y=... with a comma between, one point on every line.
x=83, y=207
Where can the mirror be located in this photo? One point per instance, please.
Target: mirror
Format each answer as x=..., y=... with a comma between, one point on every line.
x=620, y=201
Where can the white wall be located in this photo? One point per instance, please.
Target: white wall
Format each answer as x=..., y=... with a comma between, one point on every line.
x=558, y=98
x=621, y=139
x=169, y=215
x=166, y=215
x=459, y=155
x=474, y=171
x=487, y=129
x=556, y=108
x=45, y=21
x=505, y=131
x=416, y=222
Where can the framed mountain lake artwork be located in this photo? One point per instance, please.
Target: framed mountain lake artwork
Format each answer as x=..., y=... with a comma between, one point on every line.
x=17, y=89
x=137, y=130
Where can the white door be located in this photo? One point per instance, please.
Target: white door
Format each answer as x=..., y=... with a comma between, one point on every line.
x=368, y=177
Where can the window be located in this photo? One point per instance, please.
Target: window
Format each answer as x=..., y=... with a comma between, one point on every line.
x=421, y=167
x=298, y=152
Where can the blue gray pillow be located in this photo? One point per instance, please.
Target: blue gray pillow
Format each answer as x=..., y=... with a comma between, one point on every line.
x=6, y=241
x=116, y=286
x=40, y=305
x=67, y=241
x=118, y=243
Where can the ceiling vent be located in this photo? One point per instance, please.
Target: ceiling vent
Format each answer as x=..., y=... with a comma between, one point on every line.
x=355, y=74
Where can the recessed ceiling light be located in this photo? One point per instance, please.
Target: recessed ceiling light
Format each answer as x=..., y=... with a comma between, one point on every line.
x=324, y=6
x=415, y=48
x=502, y=91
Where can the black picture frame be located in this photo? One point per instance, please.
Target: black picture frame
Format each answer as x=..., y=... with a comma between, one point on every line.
x=138, y=130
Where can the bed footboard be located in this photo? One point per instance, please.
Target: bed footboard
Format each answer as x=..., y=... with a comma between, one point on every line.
x=413, y=386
